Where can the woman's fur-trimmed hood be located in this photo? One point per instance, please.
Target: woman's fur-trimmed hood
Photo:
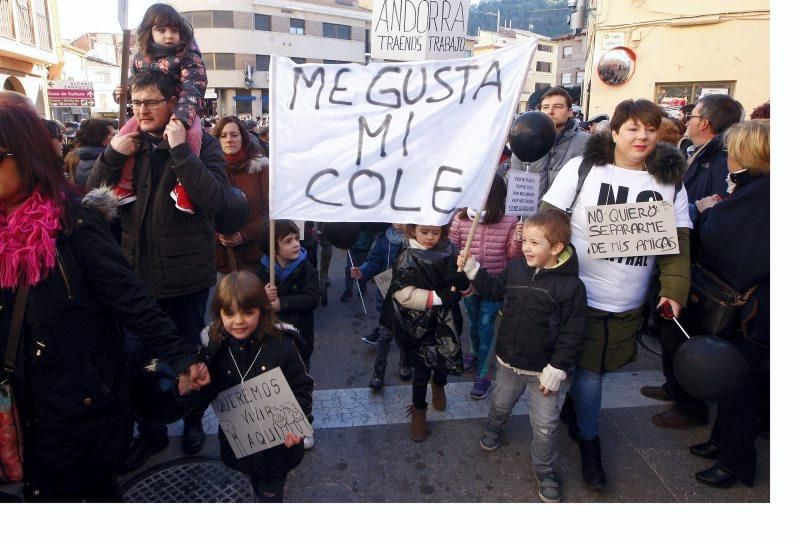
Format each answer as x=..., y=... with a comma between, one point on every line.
x=666, y=163
x=253, y=165
x=103, y=201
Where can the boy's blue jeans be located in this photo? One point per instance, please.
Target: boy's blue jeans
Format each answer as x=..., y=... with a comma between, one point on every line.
x=482, y=314
x=509, y=387
x=586, y=391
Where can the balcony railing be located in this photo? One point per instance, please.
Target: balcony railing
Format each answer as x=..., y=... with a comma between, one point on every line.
x=6, y=19
x=43, y=26
x=25, y=22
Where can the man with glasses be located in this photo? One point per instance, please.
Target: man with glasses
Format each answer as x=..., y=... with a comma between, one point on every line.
x=705, y=176
x=570, y=139
x=173, y=252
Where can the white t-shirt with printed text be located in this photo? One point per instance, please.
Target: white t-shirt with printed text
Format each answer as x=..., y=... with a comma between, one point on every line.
x=618, y=284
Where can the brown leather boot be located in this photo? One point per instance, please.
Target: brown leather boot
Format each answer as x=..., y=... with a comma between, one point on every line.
x=419, y=428
x=438, y=398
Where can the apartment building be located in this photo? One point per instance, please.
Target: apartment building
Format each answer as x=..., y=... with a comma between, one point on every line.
x=542, y=71
x=237, y=43
x=571, y=59
x=29, y=45
x=97, y=66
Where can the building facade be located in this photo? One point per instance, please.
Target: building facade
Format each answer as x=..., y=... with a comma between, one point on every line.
x=683, y=50
x=571, y=59
x=541, y=72
x=29, y=44
x=237, y=44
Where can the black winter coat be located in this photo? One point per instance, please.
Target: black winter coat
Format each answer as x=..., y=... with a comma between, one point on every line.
x=71, y=379
x=299, y=295
x=706, y=174
x=431, y=337
x=278, y=352
x=734, y=244
x=172, y=251
x=544, y=313
x=87, y=156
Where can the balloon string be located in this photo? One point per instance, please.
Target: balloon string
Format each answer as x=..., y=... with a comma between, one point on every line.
x=681, y=328
x=358, y=286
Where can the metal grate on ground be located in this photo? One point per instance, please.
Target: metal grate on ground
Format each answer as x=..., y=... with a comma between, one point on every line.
x=195, y=481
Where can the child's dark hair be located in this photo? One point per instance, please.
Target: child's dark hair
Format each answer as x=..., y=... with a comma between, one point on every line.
x=244, y=290
x=285, y=227
x=161, y=15
x=495, y=202
x=409, y=231
x=554, y=223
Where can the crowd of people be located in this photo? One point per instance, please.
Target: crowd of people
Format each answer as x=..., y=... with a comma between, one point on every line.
x=110, y=258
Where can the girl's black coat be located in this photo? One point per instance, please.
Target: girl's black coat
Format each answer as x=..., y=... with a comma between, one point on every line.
x=544, y=313
x=70, y=376
x=278, y=352
x=433, y=336
x=299, y=295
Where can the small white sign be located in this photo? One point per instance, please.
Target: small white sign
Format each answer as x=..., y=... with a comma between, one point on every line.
x=522, y=197
x=710, y=90
x=630, y=230
x=611, y=40
x=258, y=414
x=383, y=280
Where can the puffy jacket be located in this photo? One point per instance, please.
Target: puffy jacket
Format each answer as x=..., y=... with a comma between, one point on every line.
x=172, y=251
x=493, y=244
x=568, y=145
x=71, y=378
x=252, y=178
x=276, y=352
x=380, y=258
x=87, y=156
x=544, y=312
x=706, y=174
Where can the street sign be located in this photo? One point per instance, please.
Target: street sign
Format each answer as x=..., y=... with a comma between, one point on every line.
x=65, y=102
x=70, y=93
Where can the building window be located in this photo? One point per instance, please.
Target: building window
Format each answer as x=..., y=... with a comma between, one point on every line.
x=262, y=22
x=579, y=78
x=566, y=52
x=243, y=107
x=223, y=19
x=224, y=61
x=367, y=43
x=297, y=26
x=543, y=66
x=672, y=96
x=299, y=60
x=265, y=102
x=42, y=25
x=566, y=78
x=262, y=63
x=540, y=86
x=545, y=48
x=103, y=77
x=340, y=32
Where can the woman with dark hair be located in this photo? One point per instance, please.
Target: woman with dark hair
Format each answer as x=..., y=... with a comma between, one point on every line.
x=65, y=287
x=627, y=164
x=497, y=241
x=248, y=169
x=91, y=140
x=732, y=234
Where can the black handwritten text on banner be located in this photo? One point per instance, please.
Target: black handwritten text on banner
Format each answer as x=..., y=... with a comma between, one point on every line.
x=405, y=143
x=629, y=230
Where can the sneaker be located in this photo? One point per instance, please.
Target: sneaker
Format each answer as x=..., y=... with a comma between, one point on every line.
x=308, y=442
x=490, y=441
x=549, y=489
x=480, y=388
x=371, y=338
x=181, y=198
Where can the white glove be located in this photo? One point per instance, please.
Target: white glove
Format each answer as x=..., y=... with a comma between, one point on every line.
x=471, y=268
x=552, y=377
x=435, y=300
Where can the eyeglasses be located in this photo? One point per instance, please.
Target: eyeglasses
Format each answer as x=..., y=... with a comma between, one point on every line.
x=4, y=155
x=690, y=116
x=151, y=104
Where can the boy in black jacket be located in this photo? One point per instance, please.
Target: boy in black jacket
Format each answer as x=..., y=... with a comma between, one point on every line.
x=540, y=336
x=297, y=293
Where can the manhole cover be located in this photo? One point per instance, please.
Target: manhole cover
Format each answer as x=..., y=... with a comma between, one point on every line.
x=195, y=481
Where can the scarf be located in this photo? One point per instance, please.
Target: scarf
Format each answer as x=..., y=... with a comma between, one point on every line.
x=28, y=242
x=282, y=274
x=234, y=162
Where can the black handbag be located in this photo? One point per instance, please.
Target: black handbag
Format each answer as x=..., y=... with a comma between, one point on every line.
x=716, y=305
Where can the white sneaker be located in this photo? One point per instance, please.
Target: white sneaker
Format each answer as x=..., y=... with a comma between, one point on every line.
x=308, y=442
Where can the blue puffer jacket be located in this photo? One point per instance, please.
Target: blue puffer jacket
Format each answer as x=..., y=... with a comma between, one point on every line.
x=381, y=256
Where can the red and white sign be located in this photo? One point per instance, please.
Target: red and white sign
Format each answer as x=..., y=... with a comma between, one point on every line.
x=70, y=93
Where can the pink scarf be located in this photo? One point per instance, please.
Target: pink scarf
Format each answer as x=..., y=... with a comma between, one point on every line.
x=28, y=242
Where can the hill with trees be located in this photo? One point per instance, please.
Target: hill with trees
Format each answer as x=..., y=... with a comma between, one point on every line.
x=546, y=17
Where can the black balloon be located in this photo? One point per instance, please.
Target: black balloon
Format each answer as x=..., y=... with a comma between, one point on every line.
x=374, y=228
x=532, y=136
x=235, y=214
x=341, y=235
x=710, y=368
x=153, y=394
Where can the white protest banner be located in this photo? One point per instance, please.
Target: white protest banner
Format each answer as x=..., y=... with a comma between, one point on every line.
x=258, y=414
x=419, y=29
x=394, y=143
x=383, y=280
x=630, y=230
x=522, y=195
